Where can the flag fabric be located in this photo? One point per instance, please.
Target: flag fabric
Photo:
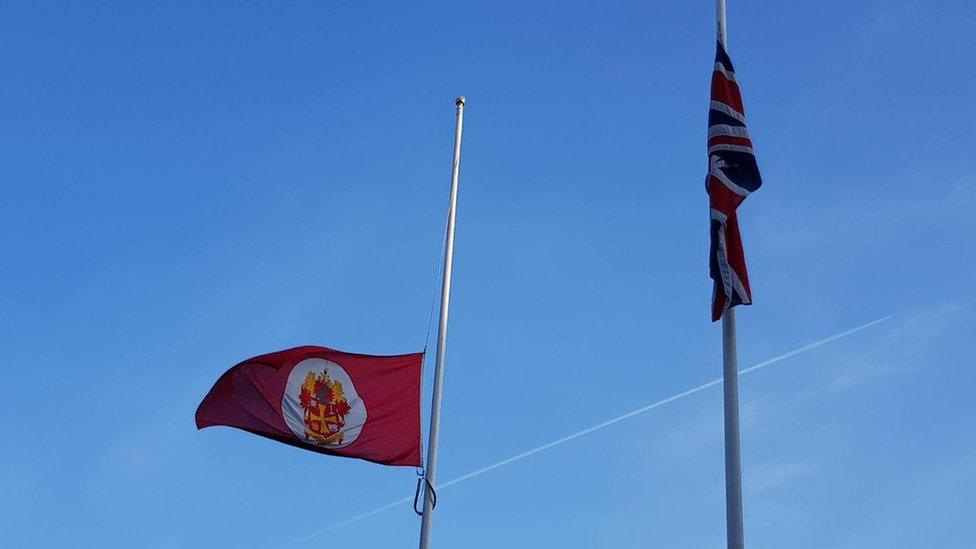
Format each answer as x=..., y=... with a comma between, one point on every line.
x=732, y=175
x=326, y=401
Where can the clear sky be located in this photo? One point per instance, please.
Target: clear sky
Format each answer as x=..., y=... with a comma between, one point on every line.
x=188, y=185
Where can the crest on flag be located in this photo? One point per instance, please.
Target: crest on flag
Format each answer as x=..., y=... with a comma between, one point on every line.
x=325, y=408
x=321, y=405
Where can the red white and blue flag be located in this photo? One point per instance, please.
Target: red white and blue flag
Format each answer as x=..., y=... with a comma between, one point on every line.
x=732, y=175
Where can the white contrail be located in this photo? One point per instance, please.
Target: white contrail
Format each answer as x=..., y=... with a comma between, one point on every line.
x=599, y=426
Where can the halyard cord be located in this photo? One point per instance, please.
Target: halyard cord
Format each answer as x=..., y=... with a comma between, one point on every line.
x=438, y=270
x=437, y=278
x=421, y=481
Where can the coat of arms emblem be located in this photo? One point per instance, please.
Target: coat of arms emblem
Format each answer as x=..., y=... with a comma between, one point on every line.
x=325, y=406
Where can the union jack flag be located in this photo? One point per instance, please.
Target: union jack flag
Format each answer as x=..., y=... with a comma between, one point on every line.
x=732, y=175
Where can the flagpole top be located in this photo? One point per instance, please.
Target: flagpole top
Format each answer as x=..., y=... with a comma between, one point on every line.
x=460, y=101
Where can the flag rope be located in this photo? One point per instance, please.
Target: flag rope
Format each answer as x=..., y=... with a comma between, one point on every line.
x=438, y=268
x=422, y=482
x=598, y=426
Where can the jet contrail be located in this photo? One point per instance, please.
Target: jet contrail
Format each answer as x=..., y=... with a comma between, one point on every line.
x=598, y=426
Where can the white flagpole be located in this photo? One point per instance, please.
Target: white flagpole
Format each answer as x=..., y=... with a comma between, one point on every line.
x=733, y=457
x=730, y=386
x=723, y=33
x=435, y=405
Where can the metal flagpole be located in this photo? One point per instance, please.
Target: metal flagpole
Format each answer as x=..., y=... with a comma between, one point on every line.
x=730, y=385
x=733, y=458
x=723, y=33
x=435, y=405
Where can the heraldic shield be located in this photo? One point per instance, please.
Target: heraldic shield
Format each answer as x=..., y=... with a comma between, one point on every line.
x=326, y=401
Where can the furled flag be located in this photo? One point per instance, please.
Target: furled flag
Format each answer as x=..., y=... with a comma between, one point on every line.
x=732, y=175
x=327, y=401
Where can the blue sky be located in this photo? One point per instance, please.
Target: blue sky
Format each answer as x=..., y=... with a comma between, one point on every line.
x=185, y=186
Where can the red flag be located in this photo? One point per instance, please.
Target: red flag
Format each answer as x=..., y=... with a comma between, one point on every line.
x=327, y=401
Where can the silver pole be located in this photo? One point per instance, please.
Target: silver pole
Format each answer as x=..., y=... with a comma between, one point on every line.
x=730, y=384
x=723, y=34
x=733, y=459
x=435, y=405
